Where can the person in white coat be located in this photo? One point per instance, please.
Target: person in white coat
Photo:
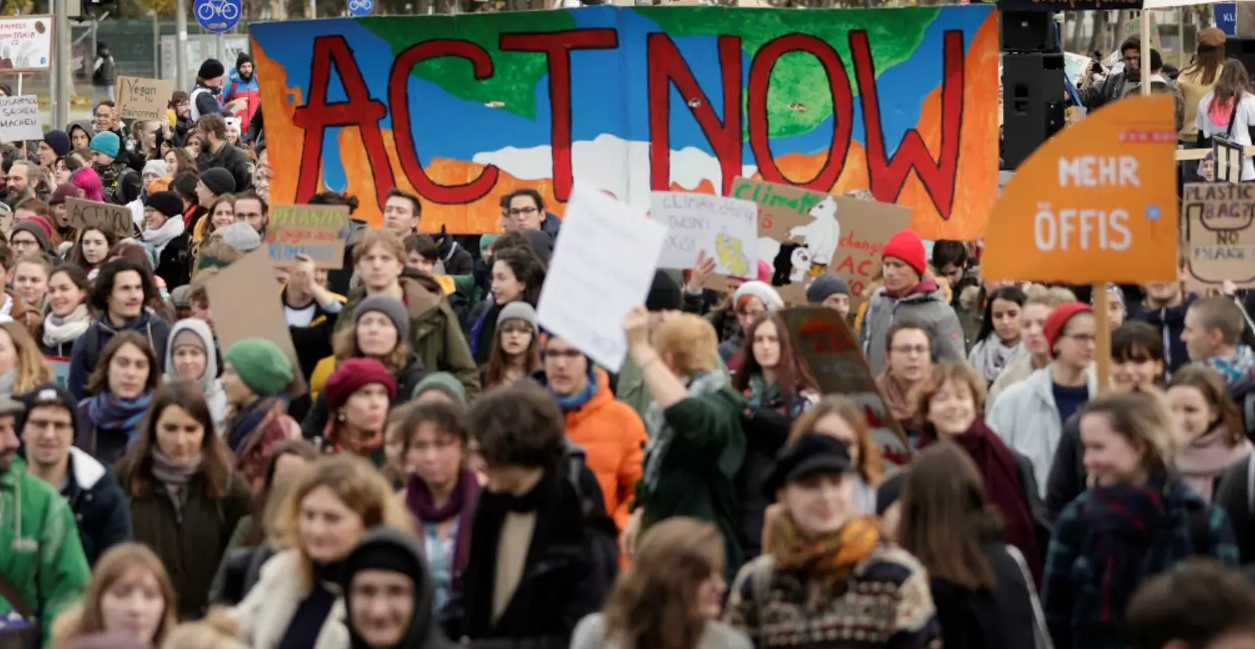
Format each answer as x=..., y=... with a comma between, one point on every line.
x=1029, y=415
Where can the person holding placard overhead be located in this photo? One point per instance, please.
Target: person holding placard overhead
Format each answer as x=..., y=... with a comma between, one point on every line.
x=1228, y=112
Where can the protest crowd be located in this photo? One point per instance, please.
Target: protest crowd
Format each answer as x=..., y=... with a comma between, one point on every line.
x=424, y=464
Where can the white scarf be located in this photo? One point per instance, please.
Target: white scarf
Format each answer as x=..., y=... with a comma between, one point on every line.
x=59, y=330
x=990, y=356
x=173, y=227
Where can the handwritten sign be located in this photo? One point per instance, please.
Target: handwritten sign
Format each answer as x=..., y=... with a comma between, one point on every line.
x=803, y=234
x=25, y=43
x=140, y=98
x=1221, y=242
x=723, y=228
x=602, y=267
x=1095, y=203
x=826, y=342
x=114, y=218
x=317, y=231
x=19, y=119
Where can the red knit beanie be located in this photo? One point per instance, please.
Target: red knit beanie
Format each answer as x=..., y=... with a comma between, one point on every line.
x=353, y=375
x=1058, y=319
x=907, y=246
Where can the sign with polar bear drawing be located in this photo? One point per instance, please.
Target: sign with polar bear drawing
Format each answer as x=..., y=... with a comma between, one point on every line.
x=803, y=234
x=726, y=229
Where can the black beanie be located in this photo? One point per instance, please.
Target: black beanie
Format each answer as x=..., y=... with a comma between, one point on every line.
x=664, y=294
x=241, y=59
x=185, y=184
x=218, y=180
x=210, y=69
x=168, y=203
x=130, y=187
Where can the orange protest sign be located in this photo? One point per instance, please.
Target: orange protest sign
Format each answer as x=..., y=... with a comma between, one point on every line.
x=1096, y=203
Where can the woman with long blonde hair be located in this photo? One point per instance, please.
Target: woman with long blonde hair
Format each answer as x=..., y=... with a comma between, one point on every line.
x=669, y=598
x=324, y=514
x=130, y=593
x=22, y=364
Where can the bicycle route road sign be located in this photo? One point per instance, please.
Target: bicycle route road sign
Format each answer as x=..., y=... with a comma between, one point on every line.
x=217, y=16
x=361, y=7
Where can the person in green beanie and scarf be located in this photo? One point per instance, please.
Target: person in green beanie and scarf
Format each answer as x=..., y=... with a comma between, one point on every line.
x=255, y=376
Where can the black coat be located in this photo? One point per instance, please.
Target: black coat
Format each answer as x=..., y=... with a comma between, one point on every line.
x=98, y=503
x=1236, y=494
x=174, y=264
x=984, y=620
x=569, y=569
x=233, y=160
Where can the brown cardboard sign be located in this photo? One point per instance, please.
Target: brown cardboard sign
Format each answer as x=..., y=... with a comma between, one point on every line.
x=804, y=233
x=114, y=218
x=825, y=341
x=318, y=231
x=1219, y=238
x=140, y=98
x=244, y=298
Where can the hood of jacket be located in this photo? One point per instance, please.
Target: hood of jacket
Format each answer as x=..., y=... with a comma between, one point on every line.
x=202, y=331
x=84, y=124
x=394, y=551
x=422, y=293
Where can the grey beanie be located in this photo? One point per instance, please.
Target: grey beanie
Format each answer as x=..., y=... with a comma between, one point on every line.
x=442, y=382
x=391, y=307
x=518, y=310
x=826, y=286
x=240, y=236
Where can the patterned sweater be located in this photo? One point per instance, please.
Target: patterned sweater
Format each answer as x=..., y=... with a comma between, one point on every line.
x=888, y=605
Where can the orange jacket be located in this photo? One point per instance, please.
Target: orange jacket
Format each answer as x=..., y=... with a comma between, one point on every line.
x=613, y=437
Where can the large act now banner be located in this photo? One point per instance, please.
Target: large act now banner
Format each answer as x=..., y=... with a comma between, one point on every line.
x=465, y=109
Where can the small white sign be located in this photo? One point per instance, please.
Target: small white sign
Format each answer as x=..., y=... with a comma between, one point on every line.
x=602, y=267
x=726, y=229
x=25, y=43
x=19, y=119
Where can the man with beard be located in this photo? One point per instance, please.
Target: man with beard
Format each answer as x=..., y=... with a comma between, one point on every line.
x=243, y=86
x=215, y=151
x=44, y=569
x=1120, y=84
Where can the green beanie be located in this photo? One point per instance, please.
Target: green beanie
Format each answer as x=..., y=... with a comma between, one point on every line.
x=444, y=382
x=261, y=365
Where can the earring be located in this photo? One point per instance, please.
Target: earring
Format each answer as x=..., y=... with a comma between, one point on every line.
x=340, y=418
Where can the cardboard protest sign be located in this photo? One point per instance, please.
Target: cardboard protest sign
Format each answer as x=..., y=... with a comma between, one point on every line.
x=1096, y=203
x=20, y=119
x=602, y=266
x=140, y=98
x=244, y=298
x=1218, y=233
x=803, y=234
x=115, y=218
x=318, y=231
x=724, y=228
x=825, y=341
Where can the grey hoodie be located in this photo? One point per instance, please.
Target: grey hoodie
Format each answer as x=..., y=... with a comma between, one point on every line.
x=927, y=305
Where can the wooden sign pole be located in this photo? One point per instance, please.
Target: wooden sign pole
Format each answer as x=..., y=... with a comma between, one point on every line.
x=1102, y=333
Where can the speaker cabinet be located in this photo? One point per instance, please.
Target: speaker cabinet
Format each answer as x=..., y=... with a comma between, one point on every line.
x=1032, y=103
x=1028, y=31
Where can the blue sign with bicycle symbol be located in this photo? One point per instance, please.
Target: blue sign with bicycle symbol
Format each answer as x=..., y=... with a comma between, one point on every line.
x=217, y=15
x=361, y=7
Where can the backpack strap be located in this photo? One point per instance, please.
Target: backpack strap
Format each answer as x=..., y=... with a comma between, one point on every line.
x=1250, y=483
x=1248, y=414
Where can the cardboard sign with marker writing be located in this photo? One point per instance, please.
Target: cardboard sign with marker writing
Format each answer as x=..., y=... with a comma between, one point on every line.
x=140, y=98
x=803, y=234
x=726, y=229
x=318, y=231
x=825, y=341
x=245, y=302
x=1218, y=220
x=1095, y=203
x=115, y=218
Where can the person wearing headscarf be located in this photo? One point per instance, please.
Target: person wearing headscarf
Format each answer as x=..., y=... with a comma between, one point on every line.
x=388, y=594
x=192, y=354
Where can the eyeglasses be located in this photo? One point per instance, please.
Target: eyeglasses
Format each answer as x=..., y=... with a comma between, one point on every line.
x=917, y=350
x=523, y=211
x=1084, y=339
x=24, y=243
x=1130, y=59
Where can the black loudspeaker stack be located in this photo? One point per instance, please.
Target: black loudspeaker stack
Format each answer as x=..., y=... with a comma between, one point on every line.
x=1032, y=84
